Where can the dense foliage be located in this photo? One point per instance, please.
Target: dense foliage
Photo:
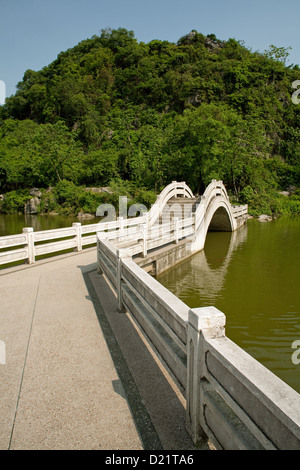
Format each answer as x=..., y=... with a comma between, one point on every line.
x=115, y=109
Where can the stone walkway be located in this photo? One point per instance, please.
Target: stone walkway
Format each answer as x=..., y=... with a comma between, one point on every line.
x=78, y=374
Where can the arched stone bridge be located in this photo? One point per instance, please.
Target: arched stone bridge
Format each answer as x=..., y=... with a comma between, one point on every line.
x=178, y=215
x=212, y=211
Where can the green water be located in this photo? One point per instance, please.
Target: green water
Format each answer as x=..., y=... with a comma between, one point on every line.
x=253, y=276
x=13, y=224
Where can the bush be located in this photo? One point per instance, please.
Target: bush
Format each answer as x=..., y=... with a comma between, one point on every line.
x=257, y=203
x=14, y=201
x=271, y=203
x=71, y=199
x=142, y=196
x=89, y=201
x=67, y=197
x=291, y=205
x=48, y=202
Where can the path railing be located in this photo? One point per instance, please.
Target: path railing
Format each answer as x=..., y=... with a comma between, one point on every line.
x=133, y=233
x=175, y=189
x=230, y=397
x=144, y=230
x=29, y=245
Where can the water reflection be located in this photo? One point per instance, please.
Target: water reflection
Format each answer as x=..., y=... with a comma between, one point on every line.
x=251, y=275
x=199, y=280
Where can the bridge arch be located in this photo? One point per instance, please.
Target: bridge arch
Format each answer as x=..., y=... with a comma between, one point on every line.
x=220, y=221
x=215, y=212
x=211, y=211
x=219, y=216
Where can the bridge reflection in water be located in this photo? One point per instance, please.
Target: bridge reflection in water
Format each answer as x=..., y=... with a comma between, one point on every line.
x=199, y=280
x=257, y=289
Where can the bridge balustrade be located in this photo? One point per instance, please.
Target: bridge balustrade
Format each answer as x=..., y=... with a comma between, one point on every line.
x=230, y=397
x=145, y=230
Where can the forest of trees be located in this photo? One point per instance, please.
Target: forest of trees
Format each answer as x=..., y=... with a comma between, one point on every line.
x=116, y=112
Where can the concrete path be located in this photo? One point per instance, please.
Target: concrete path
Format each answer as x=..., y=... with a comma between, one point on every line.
x=78, y=374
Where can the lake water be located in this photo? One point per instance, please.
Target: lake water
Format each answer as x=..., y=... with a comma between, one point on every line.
x=253, y=277
x=13, y=224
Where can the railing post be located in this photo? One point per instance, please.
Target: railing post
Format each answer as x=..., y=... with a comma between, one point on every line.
x=2, y=353
x=99, y=269
x=145, y=238
x=121, y=254
x=121, y=227
x=176, y=229
x=208, y=322
x=100, y=236
x=77, y=226
x=30, y=243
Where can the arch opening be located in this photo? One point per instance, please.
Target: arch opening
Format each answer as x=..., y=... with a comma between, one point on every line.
x=220, y=221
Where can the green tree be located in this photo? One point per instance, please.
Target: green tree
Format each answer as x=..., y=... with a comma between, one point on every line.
x=115, y=108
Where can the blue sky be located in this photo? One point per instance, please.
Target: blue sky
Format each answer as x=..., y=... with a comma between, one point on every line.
x=34, y=32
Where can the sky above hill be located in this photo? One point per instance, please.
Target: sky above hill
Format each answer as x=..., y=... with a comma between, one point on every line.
x=34, y=32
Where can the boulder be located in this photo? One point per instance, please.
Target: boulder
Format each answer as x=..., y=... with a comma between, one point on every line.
x=265, y=218
x=31, y=206
x=82, y=215
x=35, y=192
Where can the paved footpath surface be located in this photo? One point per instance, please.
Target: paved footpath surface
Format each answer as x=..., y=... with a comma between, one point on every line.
x=78, y=374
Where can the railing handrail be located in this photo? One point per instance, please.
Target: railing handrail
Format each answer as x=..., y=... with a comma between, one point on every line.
x=230, y=396
x=30, y=244
x=216, y=190
x=141, y=293
x=172, y=190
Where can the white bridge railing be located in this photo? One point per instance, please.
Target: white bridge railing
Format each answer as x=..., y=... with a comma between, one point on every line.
x=29, y=245
x=143, y=233
x=230, y=397
x=133, y=233
x=174, y=189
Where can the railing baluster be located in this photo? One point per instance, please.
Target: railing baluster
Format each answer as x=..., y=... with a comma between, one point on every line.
x=78, y=236
x=30, y=243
